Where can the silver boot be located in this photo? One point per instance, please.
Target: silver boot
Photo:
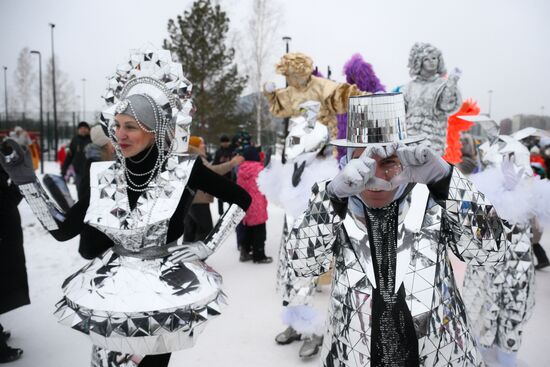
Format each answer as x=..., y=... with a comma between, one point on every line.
x=311, y=346
x=287, y=336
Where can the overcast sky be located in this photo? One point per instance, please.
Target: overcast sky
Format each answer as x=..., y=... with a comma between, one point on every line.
x=501, y=45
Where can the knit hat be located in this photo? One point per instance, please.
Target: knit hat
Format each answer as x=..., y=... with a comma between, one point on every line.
x=140, y=107
x=195, y=141
x=98, y=136
x=83, y=124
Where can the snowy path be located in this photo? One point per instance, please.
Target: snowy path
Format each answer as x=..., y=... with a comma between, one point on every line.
x=242, y=336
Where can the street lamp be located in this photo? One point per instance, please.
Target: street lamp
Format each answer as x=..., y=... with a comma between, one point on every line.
x=287, y=40
x=84, y=99
x=490, y=91
x=55, y=136
x=6, y=93
x=41, y=118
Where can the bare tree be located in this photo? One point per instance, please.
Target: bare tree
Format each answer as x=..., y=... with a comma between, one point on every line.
x=266, y=17
x=24, y=79
x=64, y=89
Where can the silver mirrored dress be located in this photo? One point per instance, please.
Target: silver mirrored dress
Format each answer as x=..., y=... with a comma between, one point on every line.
x=140, y=302
x=464, y=222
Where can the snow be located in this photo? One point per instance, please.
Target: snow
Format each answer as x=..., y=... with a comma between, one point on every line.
x=242, y=336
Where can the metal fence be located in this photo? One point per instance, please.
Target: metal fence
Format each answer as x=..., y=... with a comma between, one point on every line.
x=66, y=126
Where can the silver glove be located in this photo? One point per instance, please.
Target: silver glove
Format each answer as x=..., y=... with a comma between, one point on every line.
x=189, y=251
x=420, y=165
x=17, y=162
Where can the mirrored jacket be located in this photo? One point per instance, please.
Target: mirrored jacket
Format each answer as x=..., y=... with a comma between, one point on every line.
x=450, y=216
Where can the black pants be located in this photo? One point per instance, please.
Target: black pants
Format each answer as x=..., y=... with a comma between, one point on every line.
x=156, y=360
x=254, y=240
x=197, y=223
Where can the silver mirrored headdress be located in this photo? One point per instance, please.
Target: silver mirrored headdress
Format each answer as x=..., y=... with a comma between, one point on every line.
x=152, y=73
x=376, y=119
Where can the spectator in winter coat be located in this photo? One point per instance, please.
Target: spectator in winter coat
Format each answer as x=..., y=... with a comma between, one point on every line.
x=76, y=155
x=222, y=155
x=93, y=242
x=198, y=222
x=254, y=233
x=13, y=272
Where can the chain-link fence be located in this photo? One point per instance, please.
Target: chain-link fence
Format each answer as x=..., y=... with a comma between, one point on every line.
x=66, y=126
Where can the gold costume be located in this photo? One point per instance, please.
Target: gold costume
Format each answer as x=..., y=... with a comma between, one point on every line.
x=332, y=95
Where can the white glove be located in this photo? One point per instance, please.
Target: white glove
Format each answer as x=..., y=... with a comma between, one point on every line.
x=359, y=175
x=189, y=251
x=420, y=165
x=270, y=87
x=511, y=178
x=455, y=74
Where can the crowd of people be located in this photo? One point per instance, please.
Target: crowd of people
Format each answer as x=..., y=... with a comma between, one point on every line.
x=380, y=217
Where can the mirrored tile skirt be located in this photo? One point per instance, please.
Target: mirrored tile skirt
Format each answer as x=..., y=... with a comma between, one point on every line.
x=138, y=306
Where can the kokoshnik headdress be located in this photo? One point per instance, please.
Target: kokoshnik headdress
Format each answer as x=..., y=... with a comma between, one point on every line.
x=152, y=73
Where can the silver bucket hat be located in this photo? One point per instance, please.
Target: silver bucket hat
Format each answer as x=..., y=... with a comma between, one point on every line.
x=376, y=119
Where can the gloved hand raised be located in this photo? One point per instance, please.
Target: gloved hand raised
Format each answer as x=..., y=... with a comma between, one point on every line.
x=359, y=174
x=420, y=165
x=511, y=177
x=270, y=87
x=17, y=162
x=189, y=251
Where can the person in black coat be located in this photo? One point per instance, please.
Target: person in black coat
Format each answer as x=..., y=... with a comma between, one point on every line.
x=77, y=156
x=13, y=273
x=222, y=155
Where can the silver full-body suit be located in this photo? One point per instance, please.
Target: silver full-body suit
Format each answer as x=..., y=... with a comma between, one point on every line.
x=428, y=104
x=428, y=225
x=499, y=300
x=430, y=98
x=288, y=186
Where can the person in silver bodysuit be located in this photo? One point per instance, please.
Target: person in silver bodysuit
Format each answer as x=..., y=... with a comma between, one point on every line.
x=388, y=219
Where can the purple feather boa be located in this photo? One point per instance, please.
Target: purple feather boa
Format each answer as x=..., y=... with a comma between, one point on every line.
x=360, y=73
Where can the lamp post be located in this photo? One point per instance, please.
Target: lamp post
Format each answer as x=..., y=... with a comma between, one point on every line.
x=6, y=93
x=84, y=99
x=41, y=118
x=287, y=40
x=490, y=91
x=55, y=135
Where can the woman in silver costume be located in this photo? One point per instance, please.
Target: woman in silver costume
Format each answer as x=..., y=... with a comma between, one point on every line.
x=429, y=97
x=147, y=296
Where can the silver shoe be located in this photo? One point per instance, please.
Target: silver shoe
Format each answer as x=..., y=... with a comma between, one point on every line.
x=287, y=336
x=311, y=346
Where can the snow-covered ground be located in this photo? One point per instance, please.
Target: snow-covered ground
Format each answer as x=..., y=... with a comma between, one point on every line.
x=242, y=336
